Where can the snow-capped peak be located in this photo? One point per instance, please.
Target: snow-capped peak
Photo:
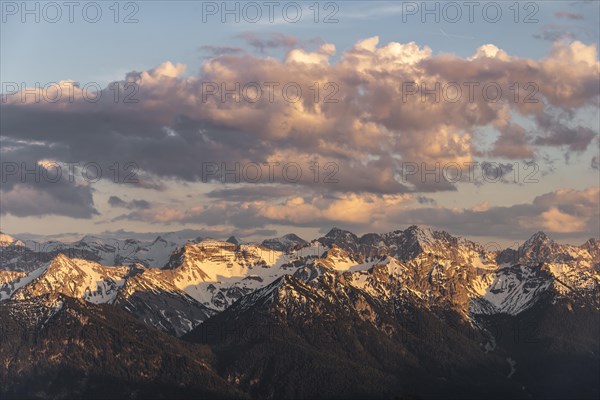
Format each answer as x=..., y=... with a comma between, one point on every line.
x=538, y=237
x=234, y=240
x=336, y=232
x=7, y=240
x=293, y=237
x=60, y=259
x=422, y=235
x=91, y=240
x=536, y=247
x=285, y=242
x=159, y=239
x=77, y=278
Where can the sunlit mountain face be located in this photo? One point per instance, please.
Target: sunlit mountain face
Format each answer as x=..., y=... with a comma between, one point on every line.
x=300, y=200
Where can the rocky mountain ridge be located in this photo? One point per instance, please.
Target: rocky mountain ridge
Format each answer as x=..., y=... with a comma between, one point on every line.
x=411, y=313
x=205, y=277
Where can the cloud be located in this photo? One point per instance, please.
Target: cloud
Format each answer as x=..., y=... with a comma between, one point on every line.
x=564, y=212
x=577, y=139
x=568, y=15
x=426, y=200
x=512, y=143
x=359, y=132
x=24, y=200
x=43, y=187
x=555, y=33
x=221, y=50
x=264, y=41
x=481, y=207
x=251, y=193
x=163, y=215
x=116, y=201
x=557, y=221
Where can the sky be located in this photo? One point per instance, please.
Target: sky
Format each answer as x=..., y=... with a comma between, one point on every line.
x=124, y=118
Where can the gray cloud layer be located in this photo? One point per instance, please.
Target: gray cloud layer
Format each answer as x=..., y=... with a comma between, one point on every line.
x=173, y=132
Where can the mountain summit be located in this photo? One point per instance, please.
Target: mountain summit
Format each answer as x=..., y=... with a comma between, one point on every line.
x=7, y=240
x=409, y=311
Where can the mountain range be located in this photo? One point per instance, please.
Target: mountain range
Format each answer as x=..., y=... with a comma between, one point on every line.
x=412, y=313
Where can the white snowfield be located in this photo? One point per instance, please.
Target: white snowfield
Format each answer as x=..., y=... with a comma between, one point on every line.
x=202, y=278
x=109, y=252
